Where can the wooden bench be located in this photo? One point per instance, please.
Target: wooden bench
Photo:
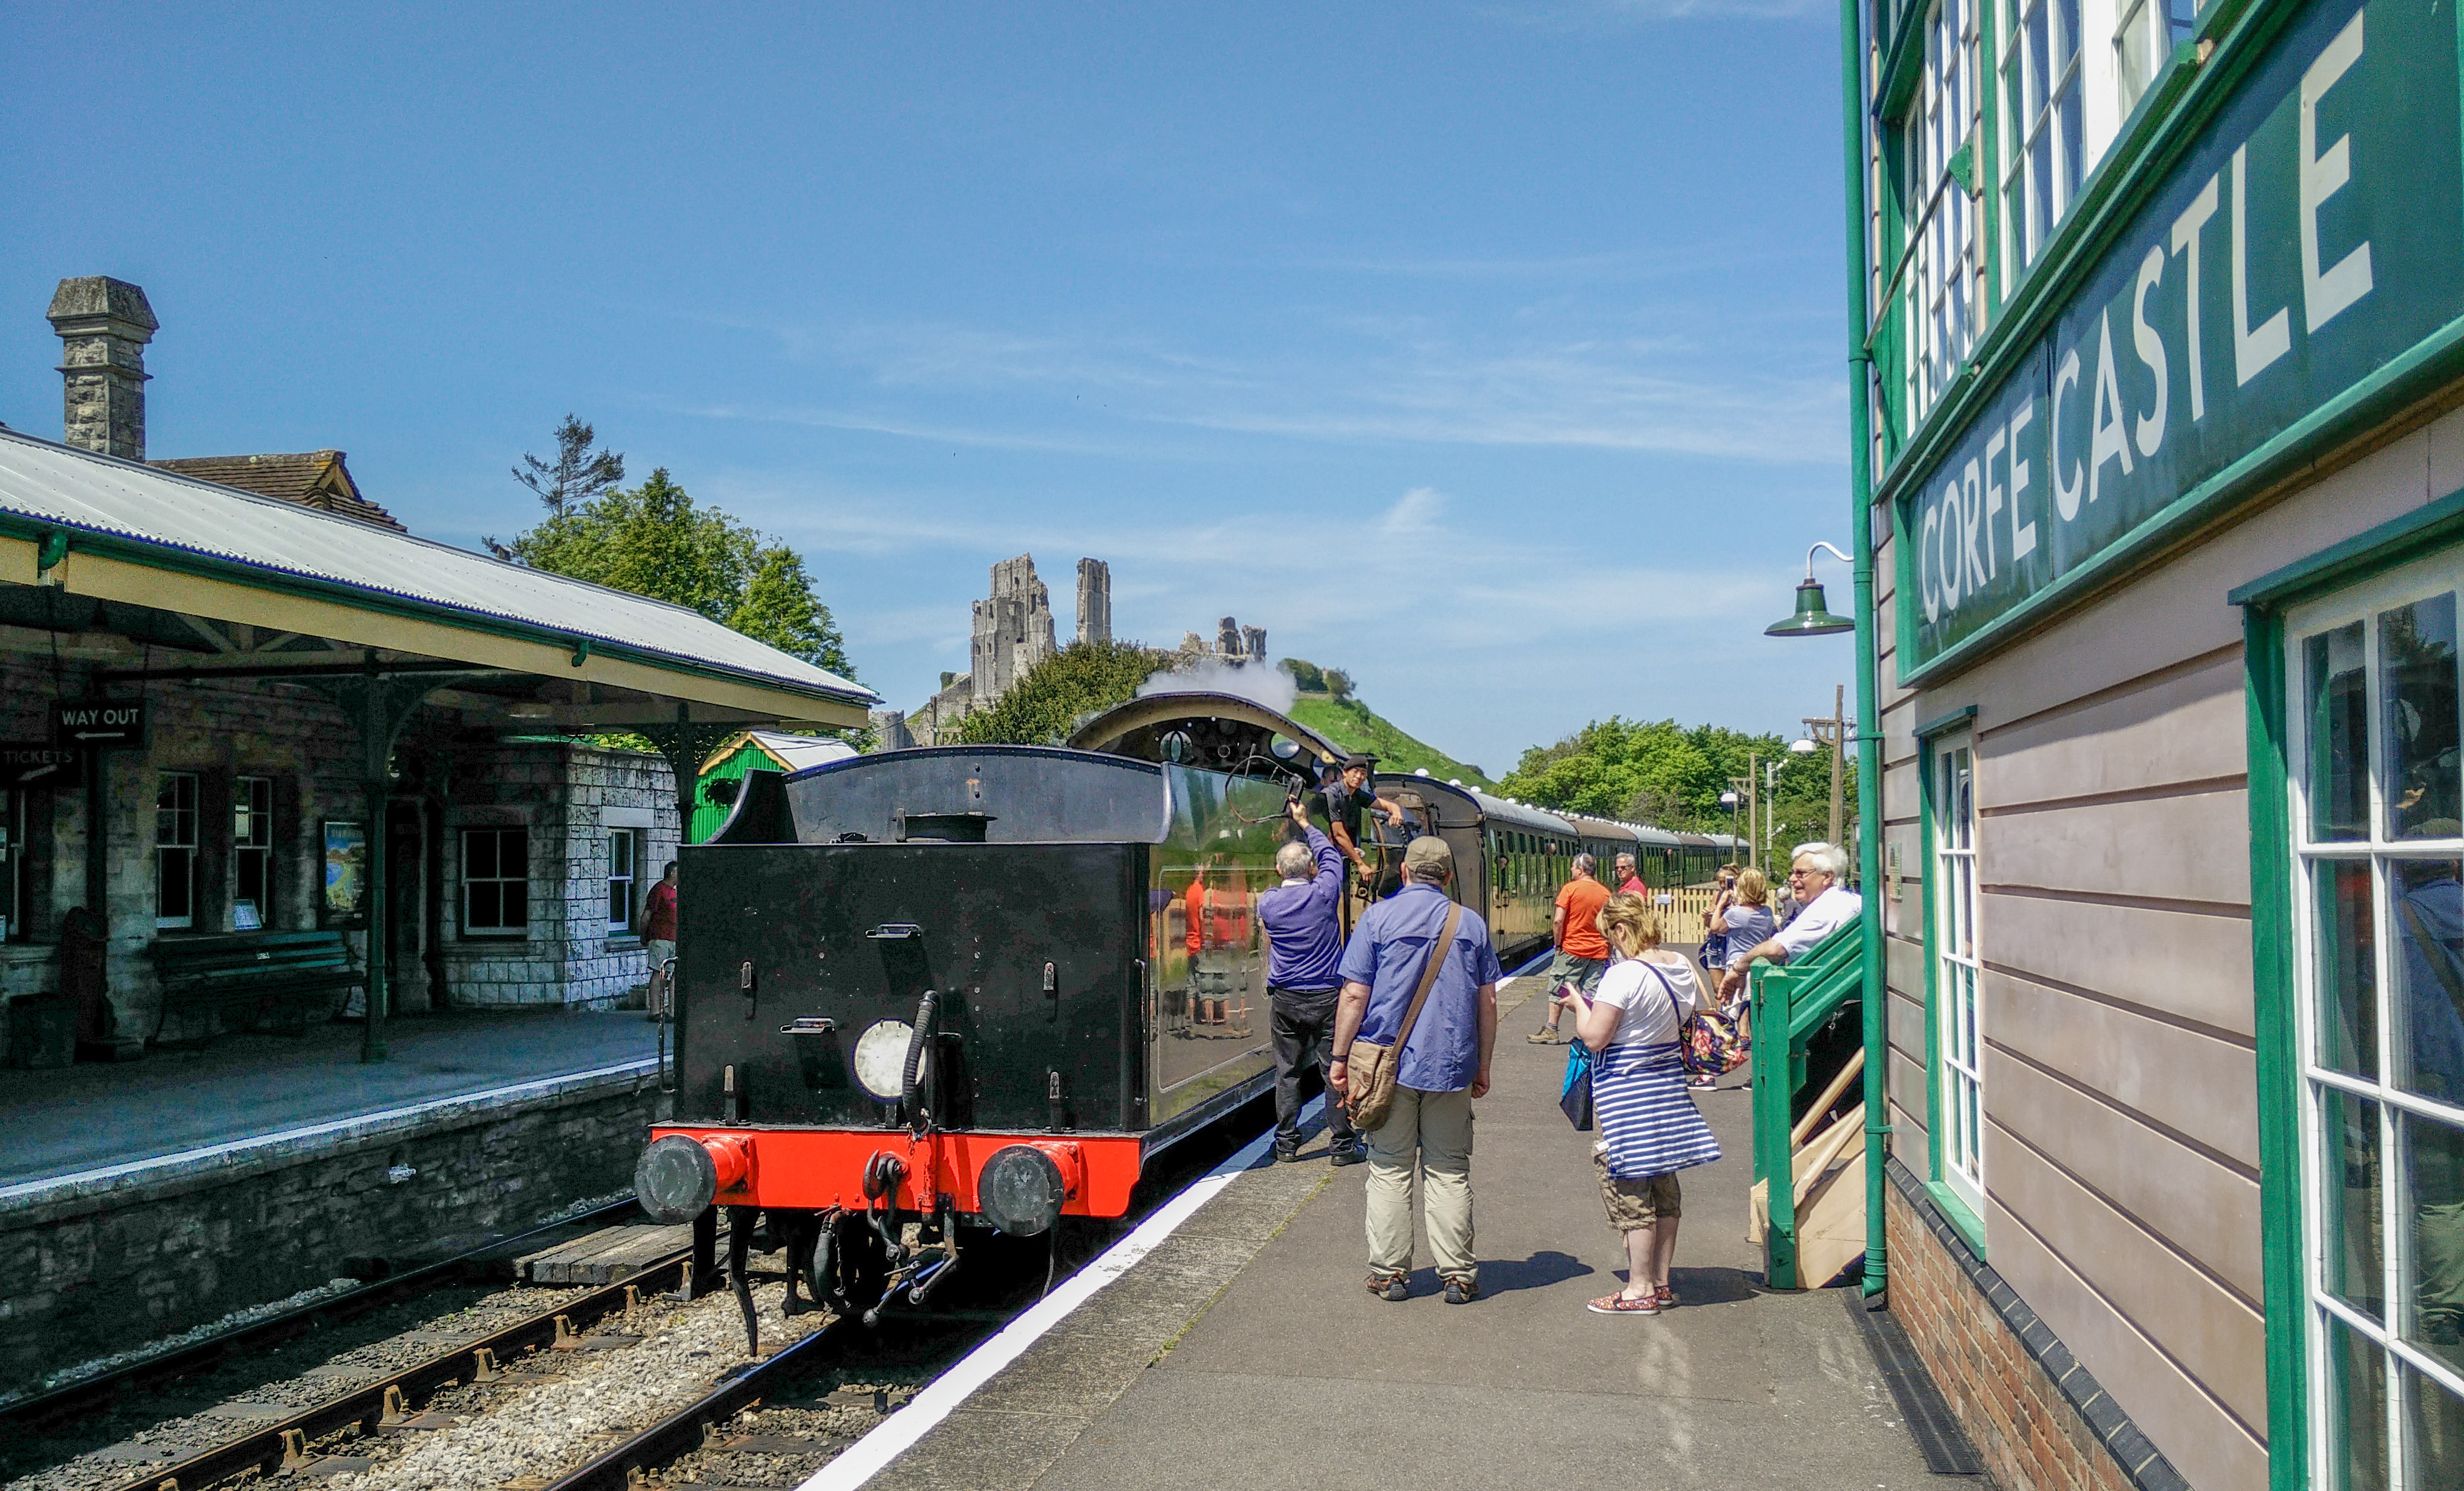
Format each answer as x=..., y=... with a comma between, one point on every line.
x=296, y=974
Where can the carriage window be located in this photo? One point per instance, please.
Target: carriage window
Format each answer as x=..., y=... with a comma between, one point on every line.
x=2379, y=914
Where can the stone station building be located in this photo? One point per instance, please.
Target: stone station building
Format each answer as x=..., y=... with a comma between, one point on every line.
x=345, y=726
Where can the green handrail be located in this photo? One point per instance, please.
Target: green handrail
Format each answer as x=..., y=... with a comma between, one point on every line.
x=1790, y=1003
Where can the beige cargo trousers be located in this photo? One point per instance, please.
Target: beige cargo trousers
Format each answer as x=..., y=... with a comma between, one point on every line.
x=1430, y=1132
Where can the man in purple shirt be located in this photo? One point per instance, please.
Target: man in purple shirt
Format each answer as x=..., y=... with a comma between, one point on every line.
x=1444, y=1067
x=1304, y=945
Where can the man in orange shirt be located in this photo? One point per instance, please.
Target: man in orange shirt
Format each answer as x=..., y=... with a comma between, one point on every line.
x=1582, y=953
x=1219, y=934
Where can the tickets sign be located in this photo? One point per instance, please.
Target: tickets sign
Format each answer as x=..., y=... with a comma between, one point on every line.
x=2312, y=233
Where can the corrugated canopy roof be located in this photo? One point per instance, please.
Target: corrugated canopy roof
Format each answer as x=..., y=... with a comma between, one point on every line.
x=161, y=517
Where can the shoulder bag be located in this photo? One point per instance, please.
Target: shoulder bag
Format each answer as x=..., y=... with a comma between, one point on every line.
x=1369, y=1076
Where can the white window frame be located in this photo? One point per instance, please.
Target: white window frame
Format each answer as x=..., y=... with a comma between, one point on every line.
x=2034, y=108
x=625, y=845
x=2318, y=1084
x=1944, y=273
x=520, y=831
x=253, y=835
x=1959, y=972
x=175, y=833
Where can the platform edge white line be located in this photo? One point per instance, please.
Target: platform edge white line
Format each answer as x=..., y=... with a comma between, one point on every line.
x=894, y=1435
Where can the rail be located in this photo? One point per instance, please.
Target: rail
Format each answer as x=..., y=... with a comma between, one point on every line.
x=1794, y=1158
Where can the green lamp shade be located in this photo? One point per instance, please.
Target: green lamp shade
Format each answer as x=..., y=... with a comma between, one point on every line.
x=1812, y=618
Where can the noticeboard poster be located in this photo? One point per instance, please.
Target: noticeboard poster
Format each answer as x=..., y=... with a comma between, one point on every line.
x=343, y=900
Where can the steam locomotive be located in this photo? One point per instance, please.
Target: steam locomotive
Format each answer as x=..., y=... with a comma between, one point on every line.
x=929, y=992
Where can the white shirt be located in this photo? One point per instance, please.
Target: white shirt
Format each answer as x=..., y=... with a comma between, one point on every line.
x=1651, y=1018
x=1827, y=913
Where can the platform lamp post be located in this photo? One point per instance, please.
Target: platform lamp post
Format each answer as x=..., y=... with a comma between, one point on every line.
x=1729, y=800
x=1812, y=617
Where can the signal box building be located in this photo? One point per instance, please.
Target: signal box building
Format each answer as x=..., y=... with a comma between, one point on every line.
x=2166, y=407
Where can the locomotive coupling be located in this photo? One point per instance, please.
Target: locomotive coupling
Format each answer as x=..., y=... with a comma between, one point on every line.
x=679, y=1175
x=1024, y=1186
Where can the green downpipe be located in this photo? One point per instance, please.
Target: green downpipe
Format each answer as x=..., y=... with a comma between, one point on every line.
x=1869, y=745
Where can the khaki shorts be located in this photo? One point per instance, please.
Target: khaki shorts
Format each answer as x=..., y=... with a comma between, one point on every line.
x=1635, y=1204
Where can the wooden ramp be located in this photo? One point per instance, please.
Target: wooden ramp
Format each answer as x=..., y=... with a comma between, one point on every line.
x=607, y=1256
x=1828, y=1170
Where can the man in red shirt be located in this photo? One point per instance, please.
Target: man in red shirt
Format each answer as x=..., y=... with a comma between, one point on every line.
x=659, y=936
x=1582, y=953
x=1218, y=909
x=1628, y=882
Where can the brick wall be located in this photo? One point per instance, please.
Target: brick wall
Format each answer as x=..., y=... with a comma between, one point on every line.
x=94, y=1273
x=2038, y=1419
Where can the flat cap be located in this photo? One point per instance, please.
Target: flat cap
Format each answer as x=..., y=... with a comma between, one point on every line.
x=1429, y=852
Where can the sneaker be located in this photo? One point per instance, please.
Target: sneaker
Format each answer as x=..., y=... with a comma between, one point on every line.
x=1461, y=1292
x=1623, y=1304
x=1396, y=1287
x=1346, y=1154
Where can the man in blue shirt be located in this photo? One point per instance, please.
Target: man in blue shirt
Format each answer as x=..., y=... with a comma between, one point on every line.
x=1444, y=1067
x=1304, y=945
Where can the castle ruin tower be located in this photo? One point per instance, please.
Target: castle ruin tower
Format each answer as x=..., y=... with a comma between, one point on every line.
x=1013, y=630
x=1253, y=639
x=104, y=324
x=1094, y=600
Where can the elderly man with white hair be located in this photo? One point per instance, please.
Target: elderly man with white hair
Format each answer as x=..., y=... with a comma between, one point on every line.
x=1304, y=950
x=1824, y=906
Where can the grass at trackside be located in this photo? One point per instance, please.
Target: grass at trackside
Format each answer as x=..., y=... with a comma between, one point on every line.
x=1356, y=726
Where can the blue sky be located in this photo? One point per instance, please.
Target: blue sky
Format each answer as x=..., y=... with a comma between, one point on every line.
x=1489, y=351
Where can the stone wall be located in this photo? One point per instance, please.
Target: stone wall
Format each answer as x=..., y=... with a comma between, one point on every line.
x=93, y=1270
x=2038, y=1419
x=569, y=797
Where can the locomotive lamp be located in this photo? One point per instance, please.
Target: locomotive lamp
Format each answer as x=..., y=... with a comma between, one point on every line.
x=1812, y=617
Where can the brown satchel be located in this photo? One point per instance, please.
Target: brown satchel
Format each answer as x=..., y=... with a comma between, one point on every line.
x=1369, y=1075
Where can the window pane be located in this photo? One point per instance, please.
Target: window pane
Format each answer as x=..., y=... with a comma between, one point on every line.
x=2356, y=1426
x=620, y=902
x=2335, y=702
x=2066, y=34
x=2344, y=972
x=2040, y=181
x=2134, y=56
x=517, y=903
x=2040, y=60
x=486, y=904
x=620, y=855
x=2428, y=1009
x=514, y=853
x=172, y=883
x=2417, y=693
x=479, y=855
x=2433, y=1316
x=2353, y=1262
x=2434, y=1432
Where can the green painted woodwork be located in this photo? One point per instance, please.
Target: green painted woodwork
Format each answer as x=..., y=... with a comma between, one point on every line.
x=1965, y=715
x=2091, y=439
x=707, y=816
x=1970, y=1225
x=1790, y=1003
x=2435, y=527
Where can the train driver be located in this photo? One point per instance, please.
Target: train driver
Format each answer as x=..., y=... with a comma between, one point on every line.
x=1348, y=803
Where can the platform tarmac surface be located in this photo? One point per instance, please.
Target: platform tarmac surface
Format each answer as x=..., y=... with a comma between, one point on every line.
x=1244, y=1350
x=63, y=1121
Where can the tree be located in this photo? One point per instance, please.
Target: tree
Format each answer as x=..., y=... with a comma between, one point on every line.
x=579, y=473
x=1671, y=776
x=1338, y=683
x=654, y=541
x=1307, y=676
x=1081, y=679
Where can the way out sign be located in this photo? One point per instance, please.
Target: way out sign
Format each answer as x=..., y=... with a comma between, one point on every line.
x=97, y=724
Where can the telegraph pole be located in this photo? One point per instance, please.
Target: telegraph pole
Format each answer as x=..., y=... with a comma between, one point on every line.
x=1834, y=733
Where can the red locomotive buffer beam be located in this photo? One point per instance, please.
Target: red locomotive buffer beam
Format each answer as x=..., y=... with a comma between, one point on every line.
x=813, y=1169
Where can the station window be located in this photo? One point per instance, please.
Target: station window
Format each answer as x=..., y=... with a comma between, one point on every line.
x=623, y=855
x=1957, y=1038
x=252, y=852
x=2043, y=143
x=2148, y=32
x=175, y=851
x=2378, y=906
x=13, y=865
x=1940, y=254
x=496, y=882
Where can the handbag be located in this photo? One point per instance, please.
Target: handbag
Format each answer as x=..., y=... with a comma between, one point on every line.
x=1369, y=1078
x=1575, y=1097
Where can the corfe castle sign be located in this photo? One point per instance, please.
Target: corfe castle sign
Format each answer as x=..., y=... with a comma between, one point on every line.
x=2313, y=233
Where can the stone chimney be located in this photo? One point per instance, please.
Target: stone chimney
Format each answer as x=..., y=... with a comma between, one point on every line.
x=104, y=324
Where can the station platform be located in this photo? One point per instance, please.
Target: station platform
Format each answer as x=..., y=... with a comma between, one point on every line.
x=1243, y=1348
x=70, y=1120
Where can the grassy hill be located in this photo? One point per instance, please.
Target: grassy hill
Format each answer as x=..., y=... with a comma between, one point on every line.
x=1354, y=726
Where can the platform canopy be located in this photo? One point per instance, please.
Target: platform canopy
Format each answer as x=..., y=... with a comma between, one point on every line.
x=153, y=573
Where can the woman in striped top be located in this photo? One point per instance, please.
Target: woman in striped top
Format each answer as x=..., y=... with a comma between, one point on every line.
x=1649, y=1126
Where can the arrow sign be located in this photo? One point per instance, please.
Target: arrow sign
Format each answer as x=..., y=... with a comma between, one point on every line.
x=39, y=763
x=97, y=724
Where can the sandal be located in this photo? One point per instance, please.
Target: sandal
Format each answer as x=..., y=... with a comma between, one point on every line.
x=1624, y=1304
